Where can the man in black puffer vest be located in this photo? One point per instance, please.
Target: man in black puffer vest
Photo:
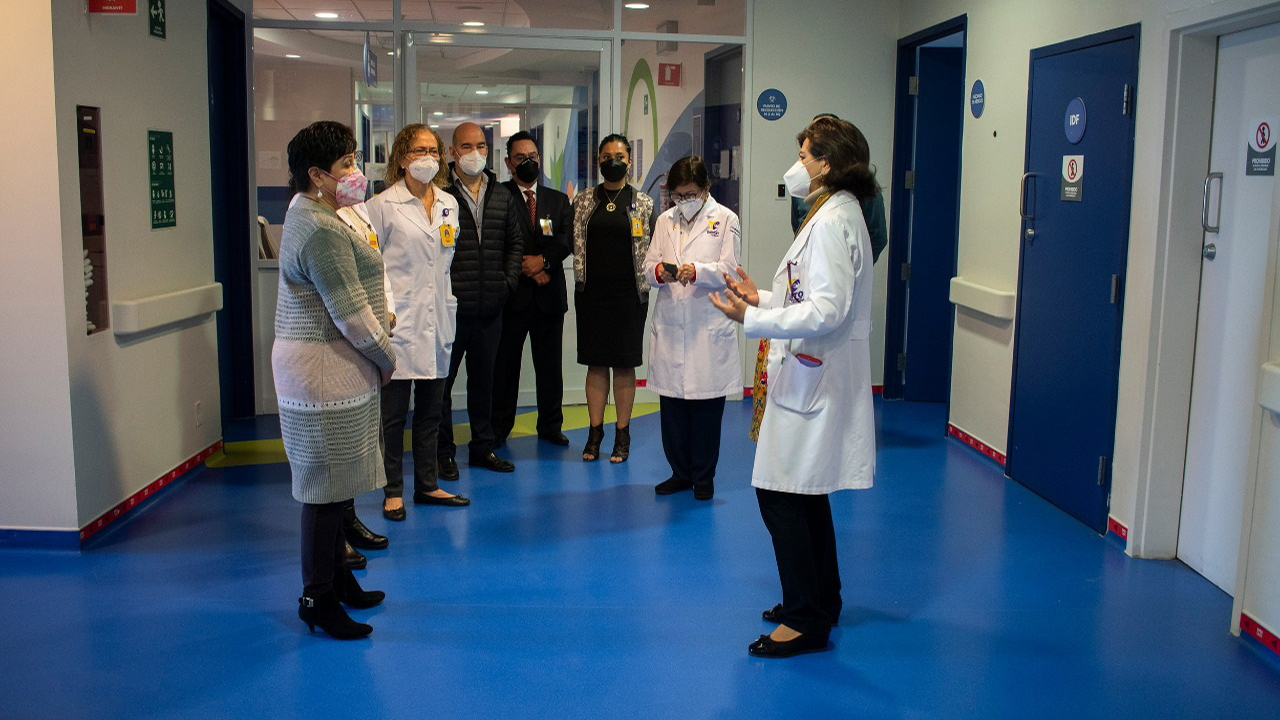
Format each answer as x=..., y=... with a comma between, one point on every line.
x=486, y=268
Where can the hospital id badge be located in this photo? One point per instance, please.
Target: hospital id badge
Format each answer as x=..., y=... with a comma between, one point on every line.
x=546, y=226
x=446, y=235
x=373, y=239
x=637, y=227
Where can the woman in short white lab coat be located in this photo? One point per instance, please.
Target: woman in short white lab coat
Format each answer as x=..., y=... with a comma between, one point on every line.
x=693, y=348
x=417, y=224
x=818, y=432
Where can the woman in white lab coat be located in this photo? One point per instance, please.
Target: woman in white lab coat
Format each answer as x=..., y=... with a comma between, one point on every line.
x=693, y=348
x=417, y=224
x=818, y=433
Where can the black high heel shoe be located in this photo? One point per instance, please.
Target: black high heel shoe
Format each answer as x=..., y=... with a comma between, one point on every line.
x=354, y=559
x=621, y=445
x=349, y=592
x=595, y=436
x=323, y=610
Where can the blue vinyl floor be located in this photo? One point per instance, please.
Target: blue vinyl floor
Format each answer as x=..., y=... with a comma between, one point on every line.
x=569, y=590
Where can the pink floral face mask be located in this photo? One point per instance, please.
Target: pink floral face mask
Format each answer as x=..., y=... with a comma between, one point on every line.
x=351, y=188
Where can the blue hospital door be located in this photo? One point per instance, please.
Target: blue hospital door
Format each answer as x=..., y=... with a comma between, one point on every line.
x=1075, y=233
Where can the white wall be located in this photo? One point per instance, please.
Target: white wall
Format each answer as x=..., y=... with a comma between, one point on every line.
x=825, y=57
x=132, y=399
x=37, y=478
x=1001, y=35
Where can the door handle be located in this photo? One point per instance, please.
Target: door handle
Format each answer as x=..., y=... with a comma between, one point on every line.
x=1204, y=202
x=1028, y=218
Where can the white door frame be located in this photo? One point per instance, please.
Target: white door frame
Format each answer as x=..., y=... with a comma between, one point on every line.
x=1193, y=49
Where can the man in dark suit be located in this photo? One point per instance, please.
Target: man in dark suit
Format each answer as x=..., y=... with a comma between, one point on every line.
x=537, y=306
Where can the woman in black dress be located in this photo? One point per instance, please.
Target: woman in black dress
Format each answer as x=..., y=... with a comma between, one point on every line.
x=611, y=229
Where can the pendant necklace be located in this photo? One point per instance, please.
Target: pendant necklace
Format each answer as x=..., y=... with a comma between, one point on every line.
x=611, y=206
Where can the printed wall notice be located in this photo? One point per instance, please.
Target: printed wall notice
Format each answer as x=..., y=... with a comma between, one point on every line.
x=1261, y=159
x=160, y=155
x=1073, y=178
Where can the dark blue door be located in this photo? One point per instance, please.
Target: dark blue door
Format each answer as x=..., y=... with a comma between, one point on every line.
x=1075, y=235
x=935, y=214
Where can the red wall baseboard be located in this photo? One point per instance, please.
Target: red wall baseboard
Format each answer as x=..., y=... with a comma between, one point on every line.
x=1250, y=627
x=131, y=502
x=976, y=444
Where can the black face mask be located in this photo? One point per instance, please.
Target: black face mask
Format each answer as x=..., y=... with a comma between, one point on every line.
x=613, y=169
x=528, y=171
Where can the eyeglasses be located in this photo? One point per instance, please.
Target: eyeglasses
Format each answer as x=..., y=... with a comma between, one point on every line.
x=421, y=151
x=681, y=197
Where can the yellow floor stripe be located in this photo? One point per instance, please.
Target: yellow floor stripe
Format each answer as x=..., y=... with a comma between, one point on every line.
x=266, y=452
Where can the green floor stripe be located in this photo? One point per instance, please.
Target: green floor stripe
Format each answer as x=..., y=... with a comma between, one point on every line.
x=266, y=452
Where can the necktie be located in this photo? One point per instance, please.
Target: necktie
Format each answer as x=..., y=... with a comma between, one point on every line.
x=532, y=201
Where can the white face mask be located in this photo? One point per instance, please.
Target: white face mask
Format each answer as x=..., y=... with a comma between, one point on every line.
x=797, y=179
x=424, y=169
x=690, y=208
x=472, y=163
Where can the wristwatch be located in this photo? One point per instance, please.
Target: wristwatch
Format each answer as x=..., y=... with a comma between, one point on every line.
x=545, y=264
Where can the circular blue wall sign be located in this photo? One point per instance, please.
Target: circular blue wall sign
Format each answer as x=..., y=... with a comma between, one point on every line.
x=977, y=98
x=1074, y=122
x=772, y=104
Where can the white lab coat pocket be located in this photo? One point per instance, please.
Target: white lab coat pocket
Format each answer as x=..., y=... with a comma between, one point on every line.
x=797, y=387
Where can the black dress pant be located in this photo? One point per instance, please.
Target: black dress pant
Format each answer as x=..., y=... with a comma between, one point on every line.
x=477, y=343
x=804, y=543
x=546, y=340
x=427, y=397
x=691, y=437
x=323, y=546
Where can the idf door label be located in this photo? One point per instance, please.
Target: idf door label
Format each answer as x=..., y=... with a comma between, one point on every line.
x=1073, y=123
x=1262, y=149
x=160, y=155
x=1073, y=178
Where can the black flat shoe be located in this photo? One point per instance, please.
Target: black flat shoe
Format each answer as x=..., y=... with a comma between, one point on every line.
x=359, y=535
x=555, y=438
x=451, y=501
x=704, y=491
x=621, y=445
x=773, y=614
x=671, y=486
x=354, y=559
x=349, y=592
x=323, y=610
x=494, y=463
x=396, y=515
x=770, y=648
x=591, y=451
x=448, y=468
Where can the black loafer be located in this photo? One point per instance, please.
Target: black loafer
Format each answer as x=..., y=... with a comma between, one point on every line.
x=494, y=463
x=555, y=438
x=354, y=559
x=671, y=486
x=448, y=468
x=451, y=501
x=704, y=491
x=360, y=536
x=770, y=648
x=396, y=515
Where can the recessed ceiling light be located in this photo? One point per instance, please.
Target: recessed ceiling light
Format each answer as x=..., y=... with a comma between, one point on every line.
x=327, y=15
x=435, y=125
x=393, y=52
x=473, y=23
x=437, y=113
x=636, y=6
x=293, y=56
x=482, y=92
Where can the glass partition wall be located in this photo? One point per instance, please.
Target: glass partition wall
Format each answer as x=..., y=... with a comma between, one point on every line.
x=669, y=74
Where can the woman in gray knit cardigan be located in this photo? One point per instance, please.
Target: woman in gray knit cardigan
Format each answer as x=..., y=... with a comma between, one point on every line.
x=331, y=355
